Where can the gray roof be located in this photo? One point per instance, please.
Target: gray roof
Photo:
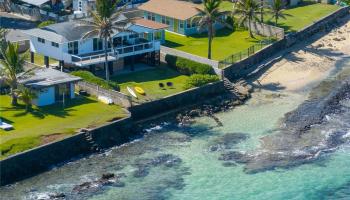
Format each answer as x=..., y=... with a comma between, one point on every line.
x=35, y=2
x=45, y=77
x=62, y=32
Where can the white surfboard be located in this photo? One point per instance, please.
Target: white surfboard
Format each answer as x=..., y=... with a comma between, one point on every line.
x=131, y=92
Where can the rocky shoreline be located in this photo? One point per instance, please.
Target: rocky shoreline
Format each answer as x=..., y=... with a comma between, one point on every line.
x=302, y=138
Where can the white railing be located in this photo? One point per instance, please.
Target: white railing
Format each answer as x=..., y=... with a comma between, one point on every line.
x=119, y=52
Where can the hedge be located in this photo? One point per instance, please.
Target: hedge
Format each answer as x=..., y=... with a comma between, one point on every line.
x=45, y=23
x=91, y=78
x=188, y=67
x=197, y=80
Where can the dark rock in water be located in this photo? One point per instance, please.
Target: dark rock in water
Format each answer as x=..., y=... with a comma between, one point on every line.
x=229, y=164
x=227, y=141
x=57, y=196
x=141, y=172
x=234, y=156
x=93, y=186
x=107, y=176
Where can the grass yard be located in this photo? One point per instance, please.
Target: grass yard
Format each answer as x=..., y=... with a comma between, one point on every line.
x=224, y=44
x=149, y=81
x=303, y=15
x=39, y=59
x=45, y=124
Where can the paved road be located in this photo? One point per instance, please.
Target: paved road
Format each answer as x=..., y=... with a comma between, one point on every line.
x=15, y=24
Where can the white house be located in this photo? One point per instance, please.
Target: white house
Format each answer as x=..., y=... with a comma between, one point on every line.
x=84, y=6
x=50, y=85
x=63, y=42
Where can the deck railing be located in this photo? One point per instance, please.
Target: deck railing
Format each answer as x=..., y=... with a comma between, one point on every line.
x=119, y=51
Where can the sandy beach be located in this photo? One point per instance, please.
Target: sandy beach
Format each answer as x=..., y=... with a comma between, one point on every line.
x=307, y=63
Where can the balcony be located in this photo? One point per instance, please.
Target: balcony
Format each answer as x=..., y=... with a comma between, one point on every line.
x=119, y=52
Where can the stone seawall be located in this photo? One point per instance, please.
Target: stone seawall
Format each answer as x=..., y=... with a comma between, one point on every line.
x=40, y=159
x=187, y=97
x=250, y=64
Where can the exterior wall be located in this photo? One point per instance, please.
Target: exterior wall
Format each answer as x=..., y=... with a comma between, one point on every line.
x=72, y=90
x=183, y=31
x=45, y=97
x=48, y=50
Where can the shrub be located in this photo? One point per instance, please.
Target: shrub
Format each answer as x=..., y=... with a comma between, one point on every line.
x=188, y=67
x=91, y=78
x=197, y=80
x=46, y=23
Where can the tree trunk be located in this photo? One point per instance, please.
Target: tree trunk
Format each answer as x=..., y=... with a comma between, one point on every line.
x=14, y=96
x=106, y=60
x=276, y=19
x=250, y=27
x=210, y=38
x=262, y=11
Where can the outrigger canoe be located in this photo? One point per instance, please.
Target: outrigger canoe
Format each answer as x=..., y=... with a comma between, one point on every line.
x=131, y=92
x=139, y=90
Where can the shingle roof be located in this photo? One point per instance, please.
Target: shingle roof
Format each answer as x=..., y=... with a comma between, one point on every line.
x=172, y=8
x=149, y=24
x=72, y=31
x=45, y=77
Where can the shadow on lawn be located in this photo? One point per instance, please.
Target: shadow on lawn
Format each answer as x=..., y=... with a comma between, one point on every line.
x=58, y=109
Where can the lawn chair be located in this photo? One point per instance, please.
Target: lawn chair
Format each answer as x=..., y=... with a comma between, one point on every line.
x=169, y=84
x=161, y=85
x=5, y=126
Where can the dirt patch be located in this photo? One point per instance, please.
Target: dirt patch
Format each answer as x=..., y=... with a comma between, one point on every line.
x=45, y=139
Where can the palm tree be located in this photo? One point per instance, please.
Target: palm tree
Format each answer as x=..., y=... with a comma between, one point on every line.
x=12, y=68
x=3, y=33
x=248, y=11
x=106, y=21
x=277, y=8
x=207, y=18
x=27, y=95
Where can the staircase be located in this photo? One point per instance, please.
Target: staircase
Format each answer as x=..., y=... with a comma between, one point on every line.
x=239, y=89
x=89, y=139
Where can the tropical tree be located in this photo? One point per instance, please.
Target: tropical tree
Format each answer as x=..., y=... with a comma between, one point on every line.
x=208, y=16
x=248, y=11
x=276, y=9
x=106, y=21
x=26, y=95
x=12, y=68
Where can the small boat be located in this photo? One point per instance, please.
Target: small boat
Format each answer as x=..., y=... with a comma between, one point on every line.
x=139, y=90
x=131, y=92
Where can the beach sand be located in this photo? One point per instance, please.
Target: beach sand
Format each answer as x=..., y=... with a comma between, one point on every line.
x=308, y=63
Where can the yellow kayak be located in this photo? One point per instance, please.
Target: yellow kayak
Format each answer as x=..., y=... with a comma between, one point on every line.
x=139, y=90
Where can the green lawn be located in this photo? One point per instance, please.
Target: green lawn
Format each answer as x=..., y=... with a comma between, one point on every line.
x=303, y=15
x=224, y=44
x=149, y=81
x=39, y=59
x=50, y=123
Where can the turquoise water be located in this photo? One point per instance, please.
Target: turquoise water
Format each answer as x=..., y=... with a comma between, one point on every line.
x=201, y=174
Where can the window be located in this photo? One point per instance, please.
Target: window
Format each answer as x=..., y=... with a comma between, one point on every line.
x=97, y=44
x=190, y=23
x=181, y=24
x=41, y=40
x=163, y=20
x=158, y=35
x=73, y=48
x=54, y=44
x=167, y=21
x=151, y=16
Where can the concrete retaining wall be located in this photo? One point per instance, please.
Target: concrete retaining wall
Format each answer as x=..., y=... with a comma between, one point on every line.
x=250, y=64
x=40, y=159
x=117, y=97
x=182, y=99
